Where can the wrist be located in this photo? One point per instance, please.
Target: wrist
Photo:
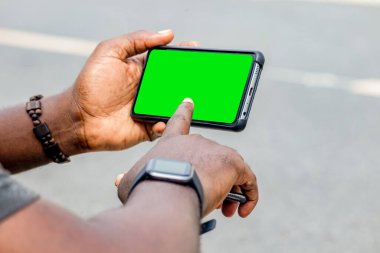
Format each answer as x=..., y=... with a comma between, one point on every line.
x=166, y=215
x=169, y=171
x=63, y=118
x=172, y=198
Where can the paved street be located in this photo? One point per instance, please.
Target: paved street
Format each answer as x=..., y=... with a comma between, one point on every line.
x=313, y=137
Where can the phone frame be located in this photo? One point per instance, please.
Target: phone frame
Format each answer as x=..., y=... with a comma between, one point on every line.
x=246, y=100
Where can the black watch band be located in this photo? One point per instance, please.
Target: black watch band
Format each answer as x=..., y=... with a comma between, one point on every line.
x=155, y=170
x=147, y=173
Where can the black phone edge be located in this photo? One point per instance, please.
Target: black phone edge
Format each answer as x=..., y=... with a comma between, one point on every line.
x=242, y=123
x=260, y=59
x=239, y=124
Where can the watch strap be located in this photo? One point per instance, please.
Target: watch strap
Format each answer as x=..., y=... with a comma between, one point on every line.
x=195, y=183
x=197, y=186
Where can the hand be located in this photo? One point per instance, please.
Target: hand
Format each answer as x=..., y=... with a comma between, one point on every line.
x=219, y=168
x=105, y=89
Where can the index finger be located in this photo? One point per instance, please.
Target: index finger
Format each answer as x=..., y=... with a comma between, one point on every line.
x=179, y=123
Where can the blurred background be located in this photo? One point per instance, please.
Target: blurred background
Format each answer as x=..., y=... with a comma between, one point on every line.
x=313, y=136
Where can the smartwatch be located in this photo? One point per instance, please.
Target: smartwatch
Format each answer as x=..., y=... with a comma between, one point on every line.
x=172, y=171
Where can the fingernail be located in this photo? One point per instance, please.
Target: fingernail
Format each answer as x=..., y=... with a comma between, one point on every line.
x=165, y=31
x=188, y=100
x=118, y=179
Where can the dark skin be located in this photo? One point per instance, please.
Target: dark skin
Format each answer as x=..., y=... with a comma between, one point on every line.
x=93, y=115
x=171, y=226
x=200, y=152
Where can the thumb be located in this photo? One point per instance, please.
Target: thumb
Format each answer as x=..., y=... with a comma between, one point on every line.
x=131, y=44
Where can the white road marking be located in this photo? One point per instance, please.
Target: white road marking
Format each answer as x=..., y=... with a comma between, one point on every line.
x=311, y=79
x=79, y=47
x=368, y=3
x=375, y=3
x=366, y=87
x=45, y=42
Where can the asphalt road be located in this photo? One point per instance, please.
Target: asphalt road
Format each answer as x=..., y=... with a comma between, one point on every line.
x=313, y=137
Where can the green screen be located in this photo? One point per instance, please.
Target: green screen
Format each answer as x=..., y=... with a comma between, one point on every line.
x=214, y=80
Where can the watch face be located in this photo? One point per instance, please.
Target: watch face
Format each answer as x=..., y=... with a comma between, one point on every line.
x=170, y=169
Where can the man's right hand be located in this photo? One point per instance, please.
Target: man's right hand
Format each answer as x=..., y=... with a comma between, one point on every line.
x=219, y=168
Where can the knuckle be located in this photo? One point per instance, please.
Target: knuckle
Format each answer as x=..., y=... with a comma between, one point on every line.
x=233, y=158
x=238, y=157
x=232, y=152
x=251, y=182
x=107, y=46
x=104, y=44
x=137, y=33
x=254, y=177
x=196, y=136
x=179, y=117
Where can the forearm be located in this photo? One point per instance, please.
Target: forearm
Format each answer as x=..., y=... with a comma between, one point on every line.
x=159, y=217
x=19, y=148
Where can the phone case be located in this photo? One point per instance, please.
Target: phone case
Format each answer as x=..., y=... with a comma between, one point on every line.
x=239, y=124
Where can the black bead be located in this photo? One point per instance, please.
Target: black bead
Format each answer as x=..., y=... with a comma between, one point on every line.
x=52, y=150
x=41, y=130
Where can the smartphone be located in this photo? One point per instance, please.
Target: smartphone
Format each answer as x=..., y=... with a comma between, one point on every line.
x=238, y=197
x=222, y=84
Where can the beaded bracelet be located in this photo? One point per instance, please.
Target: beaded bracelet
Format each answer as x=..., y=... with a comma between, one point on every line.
x=42, y=131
